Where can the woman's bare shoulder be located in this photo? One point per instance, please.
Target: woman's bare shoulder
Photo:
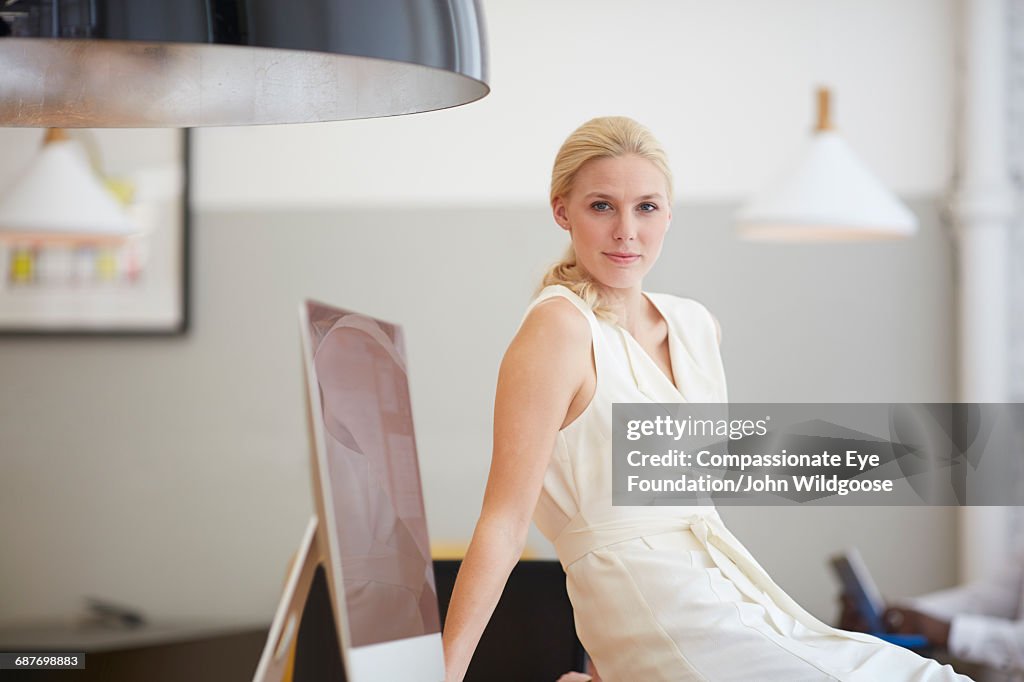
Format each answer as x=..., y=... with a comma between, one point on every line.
x=548, y=361
x=554, y=335
x=557, y=317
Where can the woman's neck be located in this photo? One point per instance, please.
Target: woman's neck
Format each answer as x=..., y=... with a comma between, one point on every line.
x=629, y=306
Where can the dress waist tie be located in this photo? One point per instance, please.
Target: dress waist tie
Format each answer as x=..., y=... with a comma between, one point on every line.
x=580, y=538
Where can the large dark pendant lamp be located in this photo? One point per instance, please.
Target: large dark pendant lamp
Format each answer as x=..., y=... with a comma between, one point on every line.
x=184, y=63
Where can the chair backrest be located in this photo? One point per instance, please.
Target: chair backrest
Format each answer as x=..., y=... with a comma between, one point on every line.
x=532, y=634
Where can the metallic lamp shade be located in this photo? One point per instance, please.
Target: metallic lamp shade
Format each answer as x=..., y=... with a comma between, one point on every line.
x=171, y=63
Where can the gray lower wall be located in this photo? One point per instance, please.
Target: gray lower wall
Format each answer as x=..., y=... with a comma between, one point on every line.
x=172, y=474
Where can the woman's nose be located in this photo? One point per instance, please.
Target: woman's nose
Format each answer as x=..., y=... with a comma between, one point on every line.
x=625, y=229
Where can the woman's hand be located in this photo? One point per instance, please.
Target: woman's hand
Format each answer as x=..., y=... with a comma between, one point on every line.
x=574, y=677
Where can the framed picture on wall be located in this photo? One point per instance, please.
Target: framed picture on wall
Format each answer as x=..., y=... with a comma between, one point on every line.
x=94, y=231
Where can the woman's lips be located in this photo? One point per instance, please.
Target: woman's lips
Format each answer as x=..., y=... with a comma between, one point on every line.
x=622, y=258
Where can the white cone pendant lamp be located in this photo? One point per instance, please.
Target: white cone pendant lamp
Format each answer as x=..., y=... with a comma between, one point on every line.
x=829, y=195
x=60, y=199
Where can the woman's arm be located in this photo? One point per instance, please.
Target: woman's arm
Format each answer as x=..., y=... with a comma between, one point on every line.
x=543, y=368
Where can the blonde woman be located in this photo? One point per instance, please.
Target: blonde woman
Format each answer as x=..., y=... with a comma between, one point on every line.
x=659, y=593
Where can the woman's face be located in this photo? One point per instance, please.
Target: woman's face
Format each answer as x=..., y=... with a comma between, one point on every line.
x=616, y=213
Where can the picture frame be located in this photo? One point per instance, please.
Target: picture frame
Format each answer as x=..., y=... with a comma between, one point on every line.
x=136, y=286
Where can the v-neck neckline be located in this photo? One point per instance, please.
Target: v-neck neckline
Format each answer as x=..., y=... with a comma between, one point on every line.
x=668, y=338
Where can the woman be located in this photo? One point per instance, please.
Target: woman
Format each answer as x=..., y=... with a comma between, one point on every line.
x=659, y=593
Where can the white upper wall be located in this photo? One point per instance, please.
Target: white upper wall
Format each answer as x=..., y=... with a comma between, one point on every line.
x=727, y=85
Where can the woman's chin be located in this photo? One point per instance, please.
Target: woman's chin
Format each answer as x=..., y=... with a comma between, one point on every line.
x=618, y=278
x=619, y=282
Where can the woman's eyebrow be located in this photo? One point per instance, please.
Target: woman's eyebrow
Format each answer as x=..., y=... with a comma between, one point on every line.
x=602, y=195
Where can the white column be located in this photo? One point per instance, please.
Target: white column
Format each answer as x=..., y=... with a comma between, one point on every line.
x=983, y=204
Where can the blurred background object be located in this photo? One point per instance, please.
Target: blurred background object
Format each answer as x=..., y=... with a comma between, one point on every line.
x=106, y=63
x=94, y=232
x=829, y=194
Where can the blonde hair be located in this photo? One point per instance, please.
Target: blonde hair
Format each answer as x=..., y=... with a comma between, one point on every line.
x=598, y=138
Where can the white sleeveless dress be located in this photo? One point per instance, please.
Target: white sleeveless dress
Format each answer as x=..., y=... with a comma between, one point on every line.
x=667, y=593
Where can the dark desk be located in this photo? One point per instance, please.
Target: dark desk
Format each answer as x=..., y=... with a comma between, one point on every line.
x=531, y=637
x=170, y=652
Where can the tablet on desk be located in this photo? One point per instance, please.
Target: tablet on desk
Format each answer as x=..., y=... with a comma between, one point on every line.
x=858, y=583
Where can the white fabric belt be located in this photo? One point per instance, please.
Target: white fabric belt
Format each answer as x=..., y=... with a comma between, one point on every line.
x=580, y=538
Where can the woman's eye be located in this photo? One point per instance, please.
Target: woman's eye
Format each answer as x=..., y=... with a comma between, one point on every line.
x=648, y=207
x=600, y=205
